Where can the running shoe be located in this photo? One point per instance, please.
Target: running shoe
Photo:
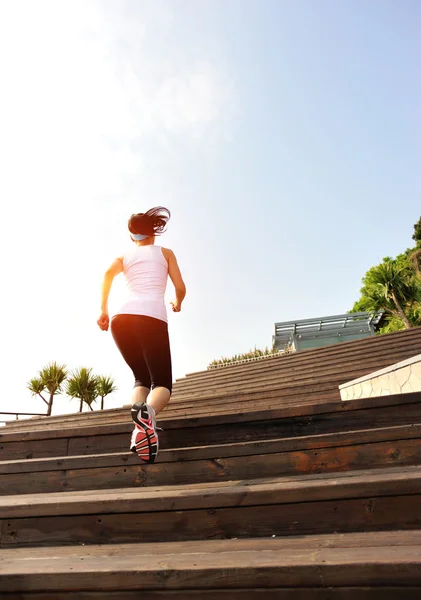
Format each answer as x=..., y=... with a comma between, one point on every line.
x=144, y=441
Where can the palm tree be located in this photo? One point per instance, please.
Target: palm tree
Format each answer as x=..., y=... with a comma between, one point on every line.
x=394, y=284
x=82, y=384
x=50, y=378
x=105, y=387
x=393, y=287
x=36, y=387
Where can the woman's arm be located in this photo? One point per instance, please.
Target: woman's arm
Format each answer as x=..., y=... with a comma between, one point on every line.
x=177, y=279
x=114, y=269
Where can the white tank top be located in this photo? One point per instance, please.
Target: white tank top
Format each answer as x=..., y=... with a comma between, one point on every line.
x=146, y=272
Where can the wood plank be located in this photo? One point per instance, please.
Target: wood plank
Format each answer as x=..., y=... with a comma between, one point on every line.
x=337, y=593
x=234, y=461
x=39, y=448
x=221, y=402
x=346, y=369
x=174, y=422
x=344, y=515
x=270, y=568
x=288, y=392
x=300, y=365
x=295, y=357
x=267, y=401
x=121, y=415
x=317, y=423
x=340, y=439
x=330, y=540
x=394, y=343
x=105, y=439
x=319, y=358
x=277, y=490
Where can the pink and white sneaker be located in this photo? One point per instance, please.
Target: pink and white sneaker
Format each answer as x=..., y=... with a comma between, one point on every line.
x=144, y=441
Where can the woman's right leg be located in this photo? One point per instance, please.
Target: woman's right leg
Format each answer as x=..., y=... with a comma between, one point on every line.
x=128, y=333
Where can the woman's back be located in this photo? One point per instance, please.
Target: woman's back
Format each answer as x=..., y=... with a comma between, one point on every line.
x=146, y=272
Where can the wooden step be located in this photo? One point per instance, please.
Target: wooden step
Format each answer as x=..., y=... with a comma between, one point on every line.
x=122, y=416
x=396, y=344
x=212, y=407
x=326, y=367
x=403, y=409
x=369, y=500
x=303, y=371
x=295, y=568
x=239, y=404
x=361, y=449
x=269, y=400
x=393, y=341
x=218, y=401
x=368, y=592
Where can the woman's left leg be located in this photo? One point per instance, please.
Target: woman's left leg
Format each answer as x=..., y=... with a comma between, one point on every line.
x=157, y=355
x=140, y=394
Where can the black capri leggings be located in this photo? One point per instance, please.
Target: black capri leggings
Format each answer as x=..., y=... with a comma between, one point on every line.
x=145, y=346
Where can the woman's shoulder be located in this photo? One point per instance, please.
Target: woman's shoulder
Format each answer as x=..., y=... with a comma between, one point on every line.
x=167, y=252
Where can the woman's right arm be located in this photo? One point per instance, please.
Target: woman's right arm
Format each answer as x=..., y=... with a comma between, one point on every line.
x=177, y=279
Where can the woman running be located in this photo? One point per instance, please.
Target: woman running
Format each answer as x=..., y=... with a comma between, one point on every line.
x=140, y=328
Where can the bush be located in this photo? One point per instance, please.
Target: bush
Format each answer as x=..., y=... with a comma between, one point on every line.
x=256, y=353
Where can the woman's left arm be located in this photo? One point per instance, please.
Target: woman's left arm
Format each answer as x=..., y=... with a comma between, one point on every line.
x=114, y=269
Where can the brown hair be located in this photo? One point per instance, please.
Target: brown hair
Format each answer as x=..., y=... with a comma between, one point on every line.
x=152, y=222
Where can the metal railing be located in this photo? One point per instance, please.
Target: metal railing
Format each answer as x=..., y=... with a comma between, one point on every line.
x=17, y=414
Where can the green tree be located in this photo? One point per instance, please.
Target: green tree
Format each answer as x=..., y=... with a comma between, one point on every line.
x=415, y=255
x=394, y=286
x=417, y=232
x=50, y=378
x=390, y=287
x=36, y=387
x=83, y=385
x=105, y=387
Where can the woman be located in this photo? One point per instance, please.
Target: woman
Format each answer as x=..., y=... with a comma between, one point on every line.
x=139, y=327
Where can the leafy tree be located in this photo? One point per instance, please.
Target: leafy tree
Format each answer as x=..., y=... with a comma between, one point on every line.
x=394, y=286
x=105, y=387
x=50, y=378
x=415, y=258
x=83, y=385
x=36, y=387
x=417, y=232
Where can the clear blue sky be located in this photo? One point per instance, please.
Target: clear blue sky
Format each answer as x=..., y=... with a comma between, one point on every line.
x=284, y=136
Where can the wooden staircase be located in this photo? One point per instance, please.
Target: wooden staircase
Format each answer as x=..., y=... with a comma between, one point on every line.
x=303, y=499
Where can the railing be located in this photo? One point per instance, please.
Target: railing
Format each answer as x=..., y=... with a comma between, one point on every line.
x=336, y=326
x=17, y=414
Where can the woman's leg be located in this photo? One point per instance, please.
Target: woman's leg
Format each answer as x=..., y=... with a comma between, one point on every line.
x=132, y=334
x=157, y=354
x=158, y=398
x=127, y=333
x=140, y=394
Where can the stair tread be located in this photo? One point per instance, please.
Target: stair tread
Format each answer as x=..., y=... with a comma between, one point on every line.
x=304, y=410
x=275, y=490
x=380, y=558
x=216, y=451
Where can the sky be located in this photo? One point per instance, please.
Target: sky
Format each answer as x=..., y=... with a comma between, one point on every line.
x=283, y=135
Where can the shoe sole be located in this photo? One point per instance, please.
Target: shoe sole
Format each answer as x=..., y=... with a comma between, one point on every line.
x=146, y=441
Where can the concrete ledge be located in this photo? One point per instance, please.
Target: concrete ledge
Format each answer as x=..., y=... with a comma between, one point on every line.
x=400, y=378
